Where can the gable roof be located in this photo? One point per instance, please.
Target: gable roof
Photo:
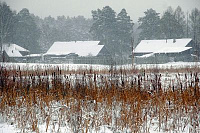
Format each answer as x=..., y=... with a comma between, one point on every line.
x=163, y=46
x=13, y=50
x=82, y=48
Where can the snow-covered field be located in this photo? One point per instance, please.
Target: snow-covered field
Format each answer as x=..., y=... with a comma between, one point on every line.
x=55, y=124
x=33, y=66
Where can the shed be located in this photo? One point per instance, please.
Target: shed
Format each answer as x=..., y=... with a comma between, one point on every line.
x=13, y=52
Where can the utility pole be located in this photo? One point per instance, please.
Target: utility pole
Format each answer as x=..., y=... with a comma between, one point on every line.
x=187, y=25
x=132, y=46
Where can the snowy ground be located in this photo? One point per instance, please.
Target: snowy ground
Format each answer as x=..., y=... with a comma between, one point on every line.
x=6, y=128
x=9, y=127
x=33, y=66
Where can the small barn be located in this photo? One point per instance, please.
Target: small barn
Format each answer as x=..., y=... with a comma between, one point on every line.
x=75, y=52
x=164, y=50
x=14, y=52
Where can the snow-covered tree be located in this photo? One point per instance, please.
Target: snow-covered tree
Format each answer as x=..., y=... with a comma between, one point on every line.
x=124, y=31
x=49, y=32
x=26, y=32
x=173, y=23
x=113, y=31
x=104, y=27
x=104, y=24
x=168, y=23
x=7, y=20
x=149, y=25
x=181, y=22
x=124, y=27
x=63, y=29
x=195, y=25
x=80, y=27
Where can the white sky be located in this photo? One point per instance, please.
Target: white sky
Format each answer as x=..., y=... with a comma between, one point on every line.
x=135, y=8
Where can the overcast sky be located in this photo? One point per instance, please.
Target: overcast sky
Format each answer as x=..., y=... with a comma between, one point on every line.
x=135, y=8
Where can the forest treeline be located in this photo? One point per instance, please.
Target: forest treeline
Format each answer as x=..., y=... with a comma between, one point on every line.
x=115, y=30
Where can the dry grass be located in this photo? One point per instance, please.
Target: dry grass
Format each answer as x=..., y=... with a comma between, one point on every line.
x=130, y=99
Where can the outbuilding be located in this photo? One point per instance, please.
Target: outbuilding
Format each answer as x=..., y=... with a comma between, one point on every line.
x=14, y=52
x=75, y=52
x=164, y=50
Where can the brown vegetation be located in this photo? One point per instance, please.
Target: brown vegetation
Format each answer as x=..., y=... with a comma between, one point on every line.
x=133, y=99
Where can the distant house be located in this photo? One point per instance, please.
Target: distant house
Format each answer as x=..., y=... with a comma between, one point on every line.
x=168, y=49
x=79, y=50
x=13, y=52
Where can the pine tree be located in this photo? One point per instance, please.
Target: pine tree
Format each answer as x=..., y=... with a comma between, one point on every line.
x=124, y=26
x=26, y=31
x=150, y=25
x=104, y=24
x=7, y=20
x=124, y=30
x=80, y=27
x=104, y=27
x=168, y=23
x=195, y=25
x=181, y=23
x=63, y=29
x=173, y=23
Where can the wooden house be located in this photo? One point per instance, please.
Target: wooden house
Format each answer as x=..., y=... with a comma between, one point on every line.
x=164, y=50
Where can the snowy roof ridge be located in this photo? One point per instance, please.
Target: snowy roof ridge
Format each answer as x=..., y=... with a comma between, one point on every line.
x=168, y=39
x=75, y=42
x=82, y=48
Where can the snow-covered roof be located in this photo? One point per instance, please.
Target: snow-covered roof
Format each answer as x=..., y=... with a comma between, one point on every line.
x=146, y=55
x=13, y=50
x=164, y=46
x=82, y=48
